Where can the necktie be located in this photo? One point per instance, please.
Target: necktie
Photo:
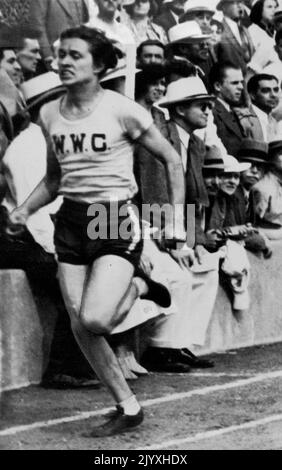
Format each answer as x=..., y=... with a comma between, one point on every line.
x=246, y=46
x=195, y=187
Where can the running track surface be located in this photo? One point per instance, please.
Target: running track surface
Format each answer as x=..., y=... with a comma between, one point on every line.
x=236, y=405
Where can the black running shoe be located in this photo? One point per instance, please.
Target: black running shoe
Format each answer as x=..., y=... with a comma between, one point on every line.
x=157, y=292
x=118, y=423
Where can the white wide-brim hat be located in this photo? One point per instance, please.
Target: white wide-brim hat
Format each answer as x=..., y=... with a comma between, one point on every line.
x=189, y=31
x=200, y=5
x=185, y=89
x=231, y=165
x=45, y=84
x=119, y=71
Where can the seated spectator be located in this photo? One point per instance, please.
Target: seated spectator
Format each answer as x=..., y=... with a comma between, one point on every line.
x=150, y=51
x=275, y=67
x=212, y=168
x=170, y=13
x=268, y=195
x=106, y=21
x=51, y=17
x=187, y=40
x=28, y=53
x=201, y=11
x=216, y=37
x=193, y=290
x=236, y=44
x=228, y=221
x=178, y=66
x=10, y=71
x=264, y=93
x=140, y=24
x=255, y=153
x=262, y=33
x=9, y=63
x=227, y=83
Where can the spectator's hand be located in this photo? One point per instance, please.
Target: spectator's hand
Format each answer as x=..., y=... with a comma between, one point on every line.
x=17, y=222
x=200, y=253
x=184, y=257
x=170, y=235
x=145, y=264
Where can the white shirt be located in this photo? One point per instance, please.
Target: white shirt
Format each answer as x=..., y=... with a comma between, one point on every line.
x=95, y=152
x=184, y=142
x=234, y=28
x=271, y=128
x=265, y=53
x=114, y=30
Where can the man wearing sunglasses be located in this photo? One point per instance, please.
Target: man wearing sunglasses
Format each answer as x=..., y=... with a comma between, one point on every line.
x=171, y=339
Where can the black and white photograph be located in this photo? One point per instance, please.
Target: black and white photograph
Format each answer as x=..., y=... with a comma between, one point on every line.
x=140, y=230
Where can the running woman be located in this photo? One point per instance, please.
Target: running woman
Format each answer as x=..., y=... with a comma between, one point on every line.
x=90, y=134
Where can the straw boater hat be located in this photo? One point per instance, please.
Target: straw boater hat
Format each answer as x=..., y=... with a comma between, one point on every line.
x=185, y=90
x=38, y=89
x=233, y=166
x=253, y=151
x=188, y=32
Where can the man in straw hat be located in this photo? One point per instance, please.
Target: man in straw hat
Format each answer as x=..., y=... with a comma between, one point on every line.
x=170, y=341
x=201, y=11
x=187, y=40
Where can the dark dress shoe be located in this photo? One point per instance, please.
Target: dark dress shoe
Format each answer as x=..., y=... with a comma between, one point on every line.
x=163, y=360
x=118, y=423
x=64, y=381
x=193, y=361
x=157, y=292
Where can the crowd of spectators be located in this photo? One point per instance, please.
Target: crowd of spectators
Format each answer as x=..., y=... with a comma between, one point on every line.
x=209, y=73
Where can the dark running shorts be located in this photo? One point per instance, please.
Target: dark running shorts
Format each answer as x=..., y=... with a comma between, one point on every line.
x=80, y=239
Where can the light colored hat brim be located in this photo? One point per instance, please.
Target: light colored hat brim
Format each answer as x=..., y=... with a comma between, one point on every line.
x=214, y=166
x=191, y=39
x=40, y=99
x=118, y=73
x=166, y=104
x=197, y=9
x=239, y=168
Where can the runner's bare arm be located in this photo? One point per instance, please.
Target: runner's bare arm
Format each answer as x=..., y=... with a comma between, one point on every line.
x=45, y=192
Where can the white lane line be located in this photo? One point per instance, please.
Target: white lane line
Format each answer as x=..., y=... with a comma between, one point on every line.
x=218, y=374
x=214, y=433
x=155, y=401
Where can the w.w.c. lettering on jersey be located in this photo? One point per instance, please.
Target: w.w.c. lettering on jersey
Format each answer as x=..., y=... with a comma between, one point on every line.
x=77, y=143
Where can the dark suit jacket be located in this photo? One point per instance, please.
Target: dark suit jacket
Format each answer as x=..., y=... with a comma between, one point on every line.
x=51, y=17
x=229, y=49
x=227, y=211
x=166, y=19
x=228, y=128
x=152, y=179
